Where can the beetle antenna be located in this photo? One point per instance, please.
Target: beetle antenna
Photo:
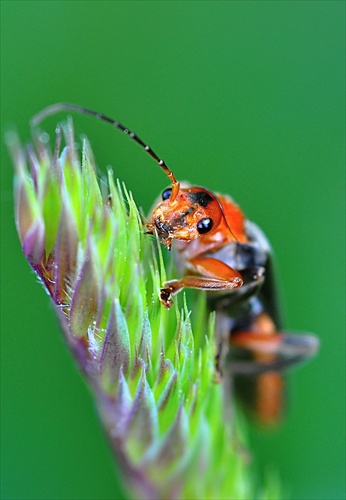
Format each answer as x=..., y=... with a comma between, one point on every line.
x=65, y=106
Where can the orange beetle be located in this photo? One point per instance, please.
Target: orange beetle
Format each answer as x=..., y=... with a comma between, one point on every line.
x=221, y=252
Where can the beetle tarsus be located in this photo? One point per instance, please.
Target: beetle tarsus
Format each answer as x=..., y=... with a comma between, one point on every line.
x=165, y=297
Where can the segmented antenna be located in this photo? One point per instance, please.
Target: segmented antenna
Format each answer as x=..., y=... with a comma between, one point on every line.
x=65, y=106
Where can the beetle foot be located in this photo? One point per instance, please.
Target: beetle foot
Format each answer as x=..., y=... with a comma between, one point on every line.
x=165, y=297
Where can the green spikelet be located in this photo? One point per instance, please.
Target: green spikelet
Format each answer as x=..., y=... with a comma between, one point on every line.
x=151, y=374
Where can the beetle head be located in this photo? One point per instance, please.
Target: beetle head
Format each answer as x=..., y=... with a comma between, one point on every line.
x=185, y=215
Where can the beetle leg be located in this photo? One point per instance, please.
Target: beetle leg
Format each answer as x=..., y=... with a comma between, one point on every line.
x=263, y=342
x=261, y=355
x=215, y=275
x=272, y=350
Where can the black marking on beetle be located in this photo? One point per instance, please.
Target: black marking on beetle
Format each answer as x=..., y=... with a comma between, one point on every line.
x=201, y=198
x=189, y=211
x=179, y=222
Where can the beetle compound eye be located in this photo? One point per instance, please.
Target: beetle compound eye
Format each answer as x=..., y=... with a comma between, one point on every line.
x=204, y=225
x=166, y=194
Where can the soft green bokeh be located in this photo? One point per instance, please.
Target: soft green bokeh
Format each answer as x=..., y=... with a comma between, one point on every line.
x=242, y=97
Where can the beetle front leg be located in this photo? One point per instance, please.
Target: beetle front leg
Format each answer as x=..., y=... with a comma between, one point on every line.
x=214, y=276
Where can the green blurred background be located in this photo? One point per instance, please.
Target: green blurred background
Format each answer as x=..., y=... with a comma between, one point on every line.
x=240, y=97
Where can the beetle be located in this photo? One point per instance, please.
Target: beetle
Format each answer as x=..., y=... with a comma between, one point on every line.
x=220, y=251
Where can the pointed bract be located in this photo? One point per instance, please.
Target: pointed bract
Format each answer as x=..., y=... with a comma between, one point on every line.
x=153, y=379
